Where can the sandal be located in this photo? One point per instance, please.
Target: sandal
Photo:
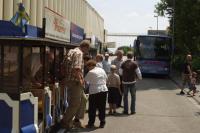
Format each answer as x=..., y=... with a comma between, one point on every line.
x=110, y=113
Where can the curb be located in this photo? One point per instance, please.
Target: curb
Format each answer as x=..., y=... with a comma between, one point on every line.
x=173, y=80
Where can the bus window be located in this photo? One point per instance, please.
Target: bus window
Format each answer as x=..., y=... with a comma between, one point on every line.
x=26, y=80
x=146, y=48
x=153, y=47
x=162, y=48
x=11, y=68
x=137, y=53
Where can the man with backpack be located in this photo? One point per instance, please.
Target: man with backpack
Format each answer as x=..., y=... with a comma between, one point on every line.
x=130, y=72
x=73, y=80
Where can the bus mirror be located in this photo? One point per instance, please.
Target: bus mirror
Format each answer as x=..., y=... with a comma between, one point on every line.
x=137, y=43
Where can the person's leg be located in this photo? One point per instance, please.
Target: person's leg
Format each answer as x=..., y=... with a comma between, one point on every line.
x=114, y=108
x=194, y=90
x=102, y=108
x=186, y=79
x=92, y=109
x=110, y=100
x=119, y=95
x=133, y=98
x=115, y=91
x=110, y=108
x=125, y=98
x=74, y=97
x=81, y=111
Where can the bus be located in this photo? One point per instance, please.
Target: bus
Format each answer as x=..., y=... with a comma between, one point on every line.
x=153, y=53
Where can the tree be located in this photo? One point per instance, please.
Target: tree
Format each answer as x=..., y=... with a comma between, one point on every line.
x=185, y=14
x=186, y=20
x=125, y=49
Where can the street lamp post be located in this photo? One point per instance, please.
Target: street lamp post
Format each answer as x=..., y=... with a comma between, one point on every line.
x=173, y=25
x=157, y=22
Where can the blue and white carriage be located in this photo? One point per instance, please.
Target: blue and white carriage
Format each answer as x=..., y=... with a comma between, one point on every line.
x=31, y=100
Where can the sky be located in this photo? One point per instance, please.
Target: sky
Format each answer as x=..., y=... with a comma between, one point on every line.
x=129, y=16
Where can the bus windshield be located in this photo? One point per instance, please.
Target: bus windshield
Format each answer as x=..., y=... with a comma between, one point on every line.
x=150, y=47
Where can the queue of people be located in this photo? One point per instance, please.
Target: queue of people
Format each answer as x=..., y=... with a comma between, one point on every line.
x=99, y=77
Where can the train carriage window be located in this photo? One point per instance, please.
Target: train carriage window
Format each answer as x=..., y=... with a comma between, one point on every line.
x=37, y=77
x=50, y=65
x=11, y=68
x=26, y=68
x=58, y=61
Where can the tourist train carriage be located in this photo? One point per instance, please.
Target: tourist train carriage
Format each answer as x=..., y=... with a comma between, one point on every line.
x=31, y=100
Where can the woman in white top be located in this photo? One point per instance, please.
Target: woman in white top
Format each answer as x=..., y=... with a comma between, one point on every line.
x=97, y=93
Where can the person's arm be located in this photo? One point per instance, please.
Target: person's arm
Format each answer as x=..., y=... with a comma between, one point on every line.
x=88, y=77
x=138, y=73
x=121, y=69
x=112, y=62
x=118, y=81
x=108, y=81
x=189, y=69
x=118, y=84
x=78, y=57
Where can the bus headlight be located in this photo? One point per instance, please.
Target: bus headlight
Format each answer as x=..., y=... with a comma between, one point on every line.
x=166, y=69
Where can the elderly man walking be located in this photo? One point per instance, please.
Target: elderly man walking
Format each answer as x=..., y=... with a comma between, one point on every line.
x=74, y=82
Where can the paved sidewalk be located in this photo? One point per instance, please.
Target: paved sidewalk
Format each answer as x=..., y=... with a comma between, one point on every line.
x=176, y=78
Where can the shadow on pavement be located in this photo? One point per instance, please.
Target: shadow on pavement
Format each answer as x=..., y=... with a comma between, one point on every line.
x=155, y=83
x=118, y=115
x=75, y=130
x=155, y=76
x=197, y=114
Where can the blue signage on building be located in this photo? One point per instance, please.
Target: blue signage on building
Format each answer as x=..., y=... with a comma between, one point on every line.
x=8, y=29
x=77, y=33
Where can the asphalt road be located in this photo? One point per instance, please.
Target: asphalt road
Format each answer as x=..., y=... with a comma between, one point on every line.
x=159, y=109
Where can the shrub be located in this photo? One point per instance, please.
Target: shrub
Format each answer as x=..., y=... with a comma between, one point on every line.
x=196, y=63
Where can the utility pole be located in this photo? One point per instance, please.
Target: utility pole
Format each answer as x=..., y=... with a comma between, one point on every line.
x=173, y=24
x=156, y=23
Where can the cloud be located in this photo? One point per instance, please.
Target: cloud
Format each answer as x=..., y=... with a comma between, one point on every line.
x=132, y=14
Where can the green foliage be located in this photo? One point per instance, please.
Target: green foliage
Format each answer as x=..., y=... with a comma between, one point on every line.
x=196, y=63
x=177, y=62
x=186, y=25
x=125, y=49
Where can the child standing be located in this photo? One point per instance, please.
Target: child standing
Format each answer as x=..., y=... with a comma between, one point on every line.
x=113, y=84
x=192, y=86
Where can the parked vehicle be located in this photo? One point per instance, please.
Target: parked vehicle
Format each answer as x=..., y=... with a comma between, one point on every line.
x=153, y=53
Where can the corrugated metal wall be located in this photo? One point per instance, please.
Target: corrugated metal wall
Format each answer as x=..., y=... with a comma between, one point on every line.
x=79, y=12
x=1, y=9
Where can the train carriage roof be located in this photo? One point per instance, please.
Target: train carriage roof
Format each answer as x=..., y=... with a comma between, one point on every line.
x=34, y=42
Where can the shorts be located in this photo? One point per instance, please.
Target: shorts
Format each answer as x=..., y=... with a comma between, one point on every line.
x=186, y=79
x=192, y=87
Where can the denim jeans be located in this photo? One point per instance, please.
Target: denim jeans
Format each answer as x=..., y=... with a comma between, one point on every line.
x=132, y=89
